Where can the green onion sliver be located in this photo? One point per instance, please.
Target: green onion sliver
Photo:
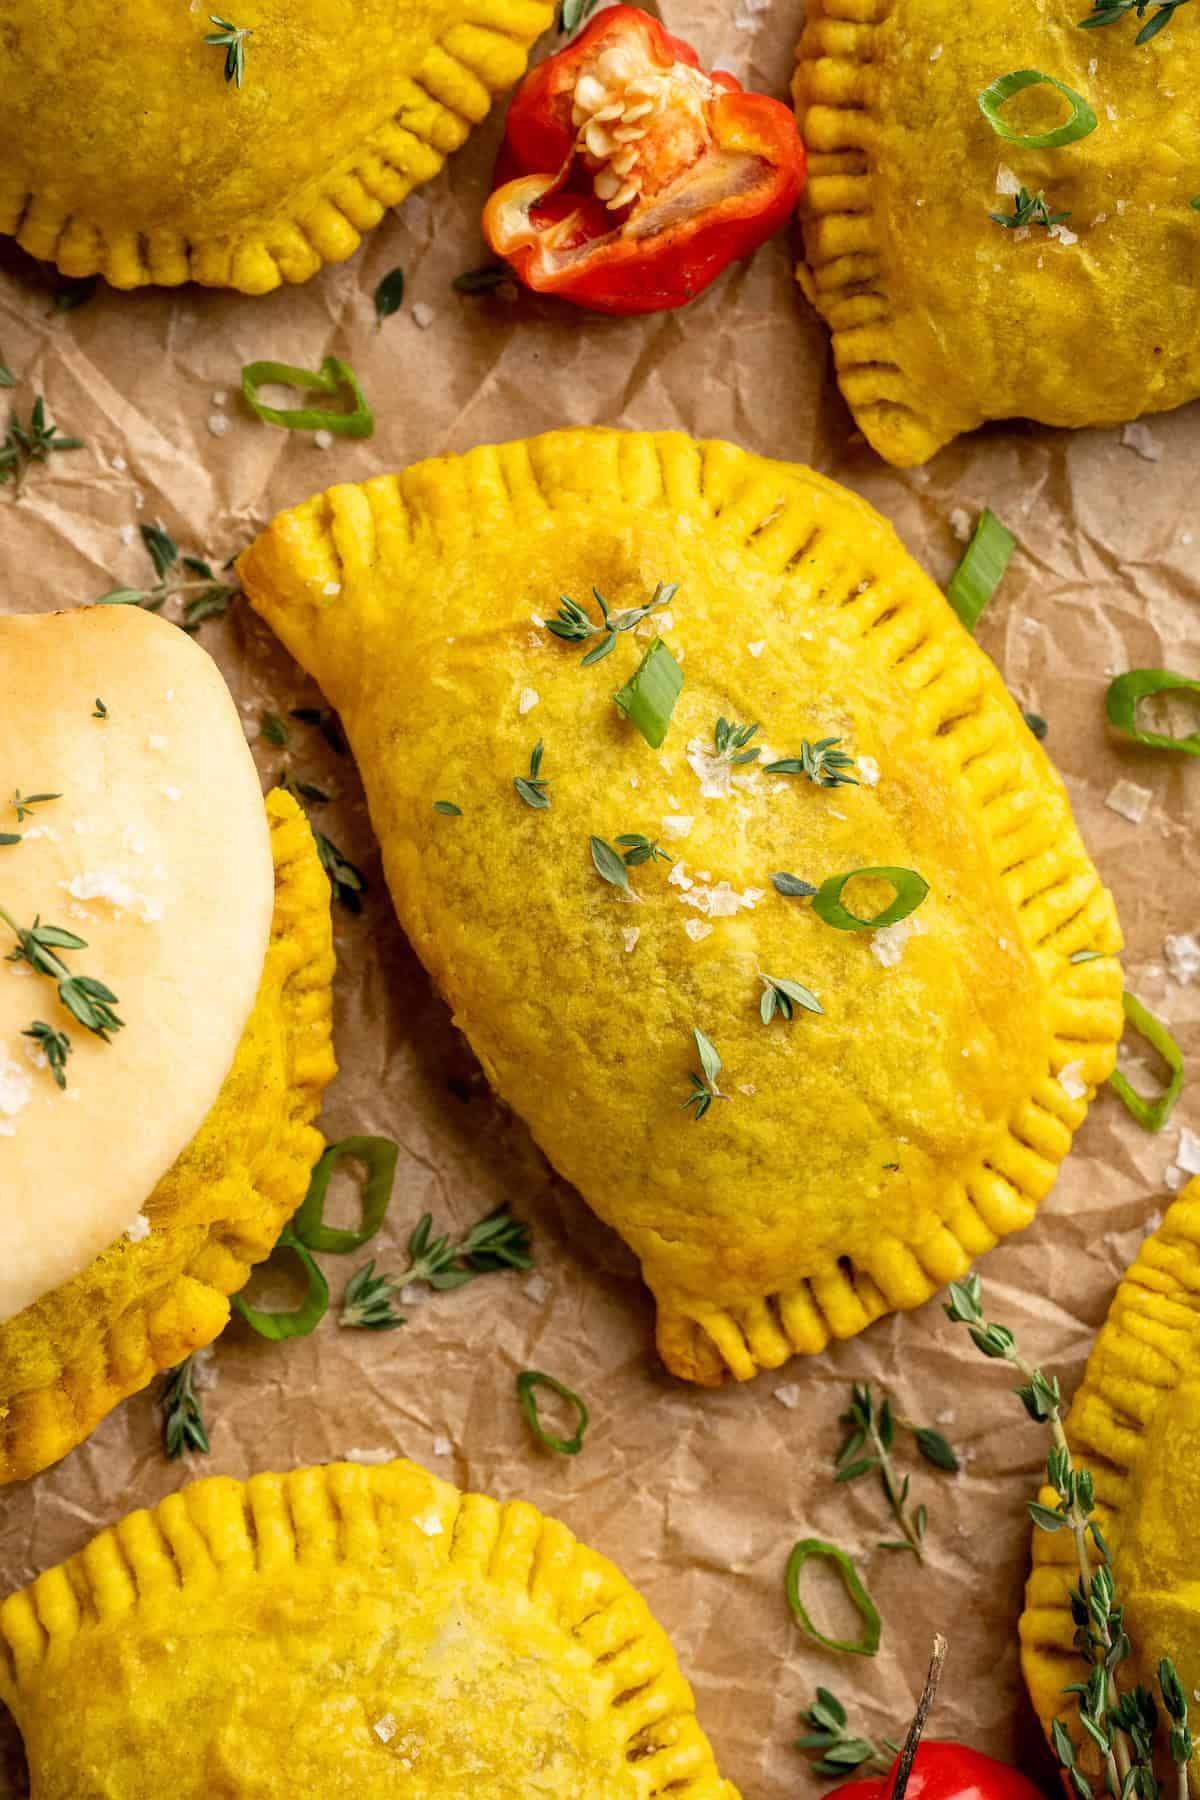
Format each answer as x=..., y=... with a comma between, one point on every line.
x=1081, y=124
x=868, y=1644
x=305, y=1317
x=648, y=697
x=378, y=1157
x=1151, y=1115
x=332, y=375
x=910, y=887
x=530, y=1379
x=1121, y=704
x=983, y=563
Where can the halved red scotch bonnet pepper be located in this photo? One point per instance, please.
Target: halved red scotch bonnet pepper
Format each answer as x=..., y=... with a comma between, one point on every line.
x=629, y=177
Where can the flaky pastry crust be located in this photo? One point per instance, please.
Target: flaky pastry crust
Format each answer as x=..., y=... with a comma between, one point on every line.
x=125, y=153
x=68, y=1359
x=942, y=318
x=346, y=1630
x=1135, y=1423
x=861, y=1158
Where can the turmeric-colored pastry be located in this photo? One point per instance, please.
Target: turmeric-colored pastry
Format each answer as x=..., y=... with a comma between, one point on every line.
x=366, y=1631
x=856, y=1157
x=1135, y=1424
x=237, y=145
x=1078, y=305
x=164, y=1015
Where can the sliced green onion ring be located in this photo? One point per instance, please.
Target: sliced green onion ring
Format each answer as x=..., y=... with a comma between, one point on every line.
x=1121, y=704
x=910, y=887
x=529, y=1380
x=980, y=570
x=868, y=1644
x=378, y=1155
x=648, y=697
x=1151, y=1115
x=332, y=375
x=1081, y=124
x=302, y=1319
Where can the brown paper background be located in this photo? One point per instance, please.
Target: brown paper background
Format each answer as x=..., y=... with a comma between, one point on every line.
x=698, y=1496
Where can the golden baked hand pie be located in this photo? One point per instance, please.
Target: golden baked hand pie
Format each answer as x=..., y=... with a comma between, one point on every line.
x=126, y=151
x=941, y=316
x=373, y=1631
x=1135, y=1423
x=858, y=1158
x=138, y=1194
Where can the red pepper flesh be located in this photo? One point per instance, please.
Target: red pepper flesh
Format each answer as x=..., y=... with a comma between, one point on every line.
x=946, y=1772
x=629, y=177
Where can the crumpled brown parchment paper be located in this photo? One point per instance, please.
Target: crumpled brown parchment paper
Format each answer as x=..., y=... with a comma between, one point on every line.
x=698, y=1496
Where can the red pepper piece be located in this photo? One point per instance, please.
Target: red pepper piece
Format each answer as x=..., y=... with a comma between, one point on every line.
x=629, y=177
x=946, y=1772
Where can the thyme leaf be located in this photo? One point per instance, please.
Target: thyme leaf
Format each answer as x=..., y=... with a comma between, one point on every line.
x=101, y=711
x=1109, y=12
x=87, y=999
x=1029, y=209
x=494, y=1243
x=636, y=849
x=183, y=1420
x=783, y=996
x=704, y=1086
x=573, y=13
x=731, y=741
x=532, y=787
x=54, y=1045
x=347, y=882
x=1121, y=1721
x=187, y=578
x=23, y=804
x=389, y=295
x=231, y=39
x=26, y=445
x=822, y=762
x=274, y=729
x=837, y=1749
x=867, y=1449
x=608, y=864
x=575, y=625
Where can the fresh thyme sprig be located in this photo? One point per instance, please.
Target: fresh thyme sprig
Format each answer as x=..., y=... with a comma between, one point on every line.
x=23, y=804
x=183, y=1421
x=636, y=849
x=29, y=444
x=704, y=1086
x=209, y=599
x=1029, y=209
x=1121, y=1725
x=871, y=1428
x=532, y=787
x=573, y=624
x=782, y=996
x=731, y=741
x=54, y=1045
x=87, y=999
x=839, y=1750
x=1109, y=12
x=821, y=761
x=494, y=1243
x=231, y=39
